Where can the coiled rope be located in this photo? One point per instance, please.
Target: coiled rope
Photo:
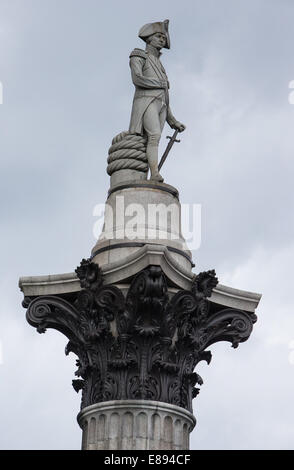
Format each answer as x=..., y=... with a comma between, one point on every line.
x=127, y=152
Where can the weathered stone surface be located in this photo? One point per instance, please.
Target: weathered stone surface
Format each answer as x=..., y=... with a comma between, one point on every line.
x=127, y=160
x=138, y=214
x=141, y=344
x=141, y=341
x=135, y=315
x=60, y=284
x=135, y=425
x=123, y=176
x=151, y=106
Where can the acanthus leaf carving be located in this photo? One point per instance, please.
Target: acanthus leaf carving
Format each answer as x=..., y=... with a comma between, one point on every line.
x=144, y=346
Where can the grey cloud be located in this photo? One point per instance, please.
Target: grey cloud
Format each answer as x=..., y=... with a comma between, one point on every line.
x=67, y=92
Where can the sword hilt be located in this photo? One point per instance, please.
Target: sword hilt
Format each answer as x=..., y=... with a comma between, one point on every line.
x=175, y=140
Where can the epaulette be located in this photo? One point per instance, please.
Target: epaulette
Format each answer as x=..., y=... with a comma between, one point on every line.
x=138, y=53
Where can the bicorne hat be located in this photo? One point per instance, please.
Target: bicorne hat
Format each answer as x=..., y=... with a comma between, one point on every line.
x=152, y=28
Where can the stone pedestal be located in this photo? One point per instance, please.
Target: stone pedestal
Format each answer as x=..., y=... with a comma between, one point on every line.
x=140, y=213
x=135, y=425
x=124, y=176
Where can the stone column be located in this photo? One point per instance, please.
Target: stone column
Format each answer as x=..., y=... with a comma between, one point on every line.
x=135, y=425
x=138, y=346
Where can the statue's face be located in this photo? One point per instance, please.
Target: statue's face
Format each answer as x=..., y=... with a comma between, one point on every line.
x=157, y=40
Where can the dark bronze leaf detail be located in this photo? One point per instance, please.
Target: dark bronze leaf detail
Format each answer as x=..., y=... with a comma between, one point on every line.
x=146, y=346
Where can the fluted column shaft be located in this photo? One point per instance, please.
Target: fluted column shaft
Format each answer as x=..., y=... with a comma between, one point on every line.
x=135, y=425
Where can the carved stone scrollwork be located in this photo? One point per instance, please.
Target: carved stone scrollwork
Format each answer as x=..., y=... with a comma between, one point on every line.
x=144, y=346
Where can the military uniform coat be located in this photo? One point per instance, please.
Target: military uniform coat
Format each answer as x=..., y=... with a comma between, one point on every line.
x=151, y=82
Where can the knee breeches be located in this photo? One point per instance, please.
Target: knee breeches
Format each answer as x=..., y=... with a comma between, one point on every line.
x=153, y=121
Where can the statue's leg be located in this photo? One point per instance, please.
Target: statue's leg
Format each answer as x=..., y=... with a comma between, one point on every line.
x=153, y=127
x=162, y=117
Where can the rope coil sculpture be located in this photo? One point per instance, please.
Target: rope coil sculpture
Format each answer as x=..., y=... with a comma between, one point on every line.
x=127, y=152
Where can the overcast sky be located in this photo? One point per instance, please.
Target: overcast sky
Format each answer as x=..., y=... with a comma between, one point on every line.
x=66, y=93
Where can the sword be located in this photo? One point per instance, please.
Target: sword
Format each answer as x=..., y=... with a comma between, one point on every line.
x=173, y=139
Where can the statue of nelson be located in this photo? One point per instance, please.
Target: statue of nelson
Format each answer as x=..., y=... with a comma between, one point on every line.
x=151, y=101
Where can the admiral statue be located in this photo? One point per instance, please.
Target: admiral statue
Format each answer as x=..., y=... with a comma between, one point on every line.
x=151, y=100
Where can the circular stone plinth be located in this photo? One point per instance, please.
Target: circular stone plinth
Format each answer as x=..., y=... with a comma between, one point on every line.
x=138, y=214
x=148, y=184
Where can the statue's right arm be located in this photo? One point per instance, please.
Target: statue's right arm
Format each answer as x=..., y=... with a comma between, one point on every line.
x=137, y=64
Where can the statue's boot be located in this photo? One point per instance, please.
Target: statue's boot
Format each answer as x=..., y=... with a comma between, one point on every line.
x=152, y=156
x=157, y=177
